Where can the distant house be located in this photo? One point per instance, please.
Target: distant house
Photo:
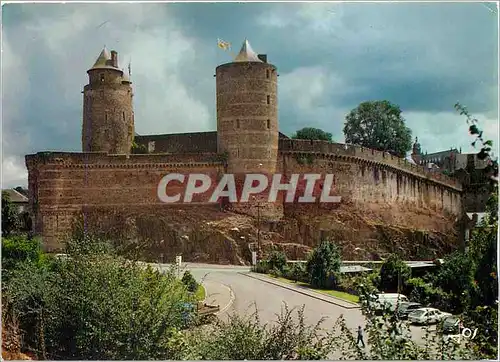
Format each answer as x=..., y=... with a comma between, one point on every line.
x=18, y=199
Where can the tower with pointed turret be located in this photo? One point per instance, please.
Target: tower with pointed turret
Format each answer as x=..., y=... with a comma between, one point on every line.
x=247, y=112
x=416, y=153
x=108, y=116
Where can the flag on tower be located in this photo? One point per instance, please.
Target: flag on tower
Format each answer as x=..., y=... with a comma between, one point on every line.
x=223, y=44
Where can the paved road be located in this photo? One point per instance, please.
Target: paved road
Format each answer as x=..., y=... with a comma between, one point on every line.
x=235, y=292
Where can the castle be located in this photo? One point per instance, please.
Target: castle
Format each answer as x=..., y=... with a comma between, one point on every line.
x=109, y=178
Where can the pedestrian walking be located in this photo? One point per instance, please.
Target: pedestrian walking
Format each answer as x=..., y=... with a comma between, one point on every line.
x=360, y=337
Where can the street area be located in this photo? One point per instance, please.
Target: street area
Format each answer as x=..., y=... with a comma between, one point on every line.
x=237, y=290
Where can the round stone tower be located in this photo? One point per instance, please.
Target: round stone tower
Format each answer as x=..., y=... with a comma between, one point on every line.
x=247, y=112
x=108, y=116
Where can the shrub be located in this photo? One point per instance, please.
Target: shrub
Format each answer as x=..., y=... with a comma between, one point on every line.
x=425, y=293
x=97, y=306
x=10, y=217
x=296, y=272
x=262, y=267
x=241, y=338
x=18, y=249
x=393, y=274
x=323, y=265
x=189, y=281
x=277, y=260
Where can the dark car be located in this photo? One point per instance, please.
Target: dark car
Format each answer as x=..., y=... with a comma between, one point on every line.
x=406, y=308
x=451, y=325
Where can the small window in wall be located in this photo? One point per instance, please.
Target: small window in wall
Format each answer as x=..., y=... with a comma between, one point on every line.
x=268, y=99
x=237, y=152
x=237, y=123
x=268, y=124
x=106, y=116
x=268, y=73
x=123, y=114
x=102, y=78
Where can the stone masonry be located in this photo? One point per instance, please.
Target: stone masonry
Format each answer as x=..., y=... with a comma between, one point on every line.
x=106, y=177
x=108, y=116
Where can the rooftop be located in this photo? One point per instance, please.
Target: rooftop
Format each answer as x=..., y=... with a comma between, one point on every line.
x=247, y=54
x=103, y=61
x=15, y=196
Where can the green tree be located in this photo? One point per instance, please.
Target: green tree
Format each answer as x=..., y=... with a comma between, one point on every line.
x=277, y=261
x=189, y=281
x=378, y=125
x=483, y=251
x=96, y=305
x=323, y=265
x=394, y=273
x=456, y=278
x=18, y=249
x=10, y=218
x=310, y=133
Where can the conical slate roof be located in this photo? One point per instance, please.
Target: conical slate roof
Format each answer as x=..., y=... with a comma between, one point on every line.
x=126, y=76
x=103, y=60
x=247, y=54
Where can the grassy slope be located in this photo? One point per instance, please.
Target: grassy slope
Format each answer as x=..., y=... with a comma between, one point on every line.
x=334, y=293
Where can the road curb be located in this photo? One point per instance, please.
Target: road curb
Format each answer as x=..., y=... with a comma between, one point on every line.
x=312, y=294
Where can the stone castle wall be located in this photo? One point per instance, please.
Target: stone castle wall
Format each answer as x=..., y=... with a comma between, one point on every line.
x=323, y=148
x=61, y=185
x=364, y=183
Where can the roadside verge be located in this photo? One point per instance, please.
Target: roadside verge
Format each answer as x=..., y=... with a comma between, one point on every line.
x=310, y=293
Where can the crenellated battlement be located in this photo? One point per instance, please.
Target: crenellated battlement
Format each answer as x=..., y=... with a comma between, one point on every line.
x=104, y=160
x=362, y=154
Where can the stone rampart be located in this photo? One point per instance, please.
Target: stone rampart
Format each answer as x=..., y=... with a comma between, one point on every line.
x=369, y=156
x=61, y=184
x=392, y=193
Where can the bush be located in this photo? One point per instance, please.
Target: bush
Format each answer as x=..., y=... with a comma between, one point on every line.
x=10, y=217
x=97, y=306
x=18, y=249
x=323, y=265
x=262, y=267
x=296, y=272
x=425, y=293
x=393, y=274
x=190, y=282
x=245, y=338
x=277, y=260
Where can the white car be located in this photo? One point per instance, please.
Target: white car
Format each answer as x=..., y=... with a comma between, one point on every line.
x=427, y=316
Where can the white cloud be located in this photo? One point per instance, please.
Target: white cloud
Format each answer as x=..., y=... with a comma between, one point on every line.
x=67, y=41
x=14, y=172
x=441, y=131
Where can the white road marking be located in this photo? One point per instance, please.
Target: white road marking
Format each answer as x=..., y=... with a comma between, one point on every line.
x=231, y=299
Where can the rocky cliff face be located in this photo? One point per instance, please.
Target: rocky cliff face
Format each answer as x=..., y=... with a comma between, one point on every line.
x=212, y=236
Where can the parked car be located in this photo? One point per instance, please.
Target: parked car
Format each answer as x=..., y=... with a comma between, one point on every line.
x=406, y=308
x=427, y=316
x=451, y=325
x=389, y=301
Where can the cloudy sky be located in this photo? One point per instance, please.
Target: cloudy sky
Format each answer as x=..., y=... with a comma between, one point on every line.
x=424, y=57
